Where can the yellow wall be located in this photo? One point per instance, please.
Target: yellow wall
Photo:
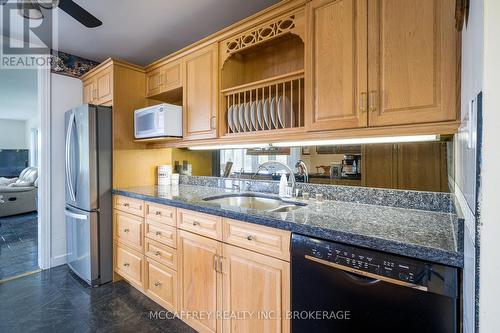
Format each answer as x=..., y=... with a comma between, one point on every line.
x=138, y=167
x=201, y=160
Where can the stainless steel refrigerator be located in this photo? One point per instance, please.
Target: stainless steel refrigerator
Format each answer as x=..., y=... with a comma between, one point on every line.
x=88, y=172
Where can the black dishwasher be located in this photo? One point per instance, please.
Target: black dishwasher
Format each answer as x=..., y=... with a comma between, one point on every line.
x=341, y=288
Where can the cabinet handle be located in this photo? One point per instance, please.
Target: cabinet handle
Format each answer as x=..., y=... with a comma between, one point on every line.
x=215, y=263
x=158, y=233
x=362, y=102
x=157, y=253
x=373, y=100
x=157, y=283
x=126, y=264
x=126, y=230
x=126, y=205
x=212, y=122
x=220, y=265
x=250, y=237
x=157, y=213
x=196, y=223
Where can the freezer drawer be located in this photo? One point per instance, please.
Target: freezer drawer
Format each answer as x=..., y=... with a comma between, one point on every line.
x=82, y=242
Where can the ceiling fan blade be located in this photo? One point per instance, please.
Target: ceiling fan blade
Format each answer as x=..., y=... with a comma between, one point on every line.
x=79, y=14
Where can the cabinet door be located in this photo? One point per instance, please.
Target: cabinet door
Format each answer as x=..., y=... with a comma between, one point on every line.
x=200, y=283
x=422, y=166
x=336, y=64
x=153, y=82
x=88, y=91
x=257, y=284
x=412, y=61
x=379, y=166
x=104, y=83
x=171, y=76
x=200, y=94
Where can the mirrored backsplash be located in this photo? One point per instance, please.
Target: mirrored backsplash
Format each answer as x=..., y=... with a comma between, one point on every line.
x=406, y=166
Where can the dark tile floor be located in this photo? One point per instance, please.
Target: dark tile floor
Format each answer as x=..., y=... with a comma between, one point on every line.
x=55, y=301
x=18, y=244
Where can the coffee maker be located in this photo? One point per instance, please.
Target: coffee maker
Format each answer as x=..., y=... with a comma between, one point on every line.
x=351, y=166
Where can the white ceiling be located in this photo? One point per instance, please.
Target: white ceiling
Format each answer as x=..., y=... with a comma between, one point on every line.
x=18, y=94
x=143, y=31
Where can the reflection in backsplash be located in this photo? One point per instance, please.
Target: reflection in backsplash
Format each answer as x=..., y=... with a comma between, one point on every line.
x=409, y=166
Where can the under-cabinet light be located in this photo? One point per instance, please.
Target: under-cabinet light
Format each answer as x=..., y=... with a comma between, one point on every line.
x=358, y=141
x=334, y=142
x=229, y=146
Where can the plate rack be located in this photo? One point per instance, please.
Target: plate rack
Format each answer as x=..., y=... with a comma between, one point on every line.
x=273, y=104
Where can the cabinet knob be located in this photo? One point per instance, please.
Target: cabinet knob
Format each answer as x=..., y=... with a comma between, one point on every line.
x=157, y=253
x=126, y=264
x=126, y=230
x=250, y=237
x=157, y=283
x=158, y=233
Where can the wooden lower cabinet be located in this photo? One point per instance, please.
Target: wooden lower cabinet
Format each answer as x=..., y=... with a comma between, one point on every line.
x=161, y=284
x=129, y=264
x=199, y=282
x=258, y=286
x=207, y=281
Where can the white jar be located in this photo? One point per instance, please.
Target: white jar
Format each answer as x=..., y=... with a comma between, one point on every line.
x=164, y=173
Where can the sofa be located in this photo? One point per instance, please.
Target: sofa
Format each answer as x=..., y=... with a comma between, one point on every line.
x=19, y=196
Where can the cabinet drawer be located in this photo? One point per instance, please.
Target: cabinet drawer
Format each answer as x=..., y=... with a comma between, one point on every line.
x=268, y=241
x=199, y=223
x=129, y=264
x=161, y=284
x=160, y=213
x=161, y=233
x=127, y=228
x=163, y=254
x=129, y=205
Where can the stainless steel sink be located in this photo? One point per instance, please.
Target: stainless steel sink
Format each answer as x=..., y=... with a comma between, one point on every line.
x=257, y=202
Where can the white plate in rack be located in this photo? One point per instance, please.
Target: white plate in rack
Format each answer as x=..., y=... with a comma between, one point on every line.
x=284, y=112
x=253, y=116
x=241, y=117
x=273, y=113
x=236, y=122
x=266, y=113
x=248, y=120
x=260, y=115
x=230, y=119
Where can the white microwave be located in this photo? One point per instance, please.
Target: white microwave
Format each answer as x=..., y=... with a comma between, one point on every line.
x=162, y=120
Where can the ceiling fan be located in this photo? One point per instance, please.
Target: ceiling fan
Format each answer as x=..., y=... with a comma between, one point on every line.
x=31, y=9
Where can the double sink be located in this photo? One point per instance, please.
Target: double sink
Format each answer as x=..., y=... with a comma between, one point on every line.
x=265, y=203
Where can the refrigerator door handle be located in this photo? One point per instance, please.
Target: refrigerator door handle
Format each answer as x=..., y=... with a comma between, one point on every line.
x=69, y=176
x=75, y=215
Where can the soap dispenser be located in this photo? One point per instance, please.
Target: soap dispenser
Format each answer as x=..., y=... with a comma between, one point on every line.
x=283, y=185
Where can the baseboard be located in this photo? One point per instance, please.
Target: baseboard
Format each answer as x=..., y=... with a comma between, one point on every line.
x=58, y=260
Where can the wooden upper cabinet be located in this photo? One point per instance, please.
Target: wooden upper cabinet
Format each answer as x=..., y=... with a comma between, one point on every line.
x=255, y=284
x=153, y=85
x=200, y=93
x=98, y=89
x=164, y=78
x=88, y=91
x=336, y=64
x=104, y=86
x=200, y=283
x=412, y=61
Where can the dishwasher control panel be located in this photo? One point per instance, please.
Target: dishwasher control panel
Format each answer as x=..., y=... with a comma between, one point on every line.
x=369, y=261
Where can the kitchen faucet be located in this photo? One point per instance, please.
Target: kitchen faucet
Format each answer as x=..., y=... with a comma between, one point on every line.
x=283, y=166
x=238, y=185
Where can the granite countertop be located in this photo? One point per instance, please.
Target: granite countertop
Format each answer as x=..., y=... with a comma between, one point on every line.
x=427, y=235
